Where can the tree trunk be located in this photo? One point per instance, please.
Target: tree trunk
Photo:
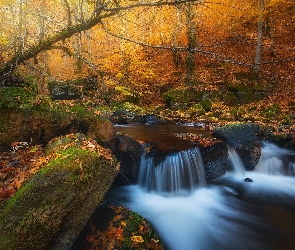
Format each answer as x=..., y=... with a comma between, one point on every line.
x=191, y=35
x=259, y=38
x=175, y=32
x=101, y=12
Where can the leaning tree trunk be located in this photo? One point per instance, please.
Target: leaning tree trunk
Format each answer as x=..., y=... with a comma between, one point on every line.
x=259, y=38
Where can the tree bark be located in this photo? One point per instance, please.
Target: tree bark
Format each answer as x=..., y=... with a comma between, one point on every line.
x=191, y=35
x=259, y=38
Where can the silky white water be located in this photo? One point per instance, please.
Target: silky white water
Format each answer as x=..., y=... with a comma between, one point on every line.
x=227, y=213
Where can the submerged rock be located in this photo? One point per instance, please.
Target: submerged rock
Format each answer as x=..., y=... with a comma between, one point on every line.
x=50, y=210
x=248, y=180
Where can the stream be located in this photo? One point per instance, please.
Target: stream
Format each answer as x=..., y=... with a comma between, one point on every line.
x=240, y=210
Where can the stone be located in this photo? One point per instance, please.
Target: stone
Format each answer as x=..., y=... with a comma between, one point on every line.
x=50, y=210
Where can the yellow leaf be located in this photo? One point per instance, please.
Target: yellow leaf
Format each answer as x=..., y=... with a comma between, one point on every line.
x=138, y=239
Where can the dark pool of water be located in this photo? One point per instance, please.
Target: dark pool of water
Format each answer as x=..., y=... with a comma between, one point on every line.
x=162, y=137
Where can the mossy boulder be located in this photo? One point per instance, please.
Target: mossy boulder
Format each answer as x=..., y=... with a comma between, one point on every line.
x=41, y=121
x=50, y=210
x=34, y=127
x=243, y=137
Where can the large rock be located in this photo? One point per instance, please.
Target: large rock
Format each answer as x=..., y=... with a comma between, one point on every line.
x=39, y=127
x=50, y=210
x=215, y=160
x=128, y=151
x=243, y=137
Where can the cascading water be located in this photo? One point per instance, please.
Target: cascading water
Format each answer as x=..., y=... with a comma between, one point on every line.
x=226, y=213
x=273, y=161
x=236, y=166
x=179, y=173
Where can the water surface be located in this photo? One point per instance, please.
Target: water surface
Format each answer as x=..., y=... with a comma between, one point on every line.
x=162, y=136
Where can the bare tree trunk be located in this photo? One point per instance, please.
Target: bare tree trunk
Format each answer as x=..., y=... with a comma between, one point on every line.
x=43, y=56
x=191, y=35
x=175, y=32
x=259, y=38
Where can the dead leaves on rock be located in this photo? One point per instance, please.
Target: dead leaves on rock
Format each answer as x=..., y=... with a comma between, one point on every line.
x=16, y=167
x=125, y=231
x=197, y=139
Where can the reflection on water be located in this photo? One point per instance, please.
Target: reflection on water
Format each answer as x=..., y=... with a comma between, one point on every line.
x=228, y=213
x=162, y=136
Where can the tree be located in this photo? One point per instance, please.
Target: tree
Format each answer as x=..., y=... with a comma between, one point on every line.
x=259, y=37
x=191, y=37
x=102, y=10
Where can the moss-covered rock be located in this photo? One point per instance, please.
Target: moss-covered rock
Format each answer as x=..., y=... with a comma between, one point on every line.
x=51, y=209
x=243, y=137
x=39, y=121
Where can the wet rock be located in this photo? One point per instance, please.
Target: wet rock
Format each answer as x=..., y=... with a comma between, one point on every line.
x=153, y=119
x=248, y=180
x=120, y=117
x=128, y=151
x=215, y=160
x=243, y=137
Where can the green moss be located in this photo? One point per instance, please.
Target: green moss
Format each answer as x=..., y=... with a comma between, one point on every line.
x=230, y=99
x=206, y=104
x=15, y=98
x=128, y=95
x=196, y=110
x=186, y=95
x=272, y=111
x=238, y=113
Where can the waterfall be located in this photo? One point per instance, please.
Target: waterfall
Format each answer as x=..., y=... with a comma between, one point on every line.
x=223, y=214
x=274, y=161
x=179, y=173
x=235, y=165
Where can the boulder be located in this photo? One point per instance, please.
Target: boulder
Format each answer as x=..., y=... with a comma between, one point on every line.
x=243, y=138
x=117, y=228
x=39, y=127
x=215, y=159
x=128, y=151
x=51, y=209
